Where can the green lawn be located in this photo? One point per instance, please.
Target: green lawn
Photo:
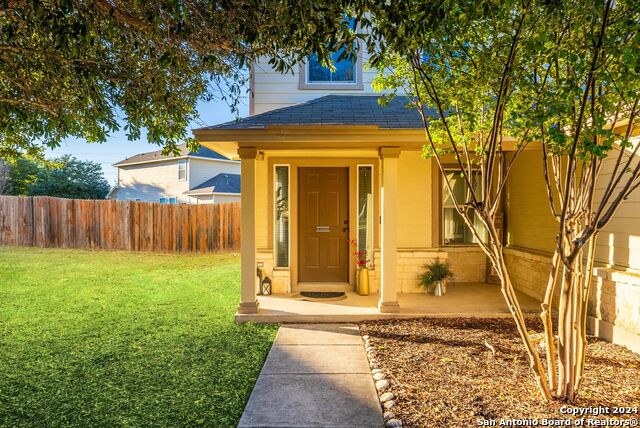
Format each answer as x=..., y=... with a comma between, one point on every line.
x=97, y=338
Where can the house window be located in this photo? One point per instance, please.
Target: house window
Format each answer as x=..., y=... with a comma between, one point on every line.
x=163, y=200
x=455, y=230
x=173, y=200
x=281, y=215
x=365, y=209
x=345, y=70
x=182, y=170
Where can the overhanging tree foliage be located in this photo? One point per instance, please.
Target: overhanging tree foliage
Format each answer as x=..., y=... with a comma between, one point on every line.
x=504, y=76
x=78, y=68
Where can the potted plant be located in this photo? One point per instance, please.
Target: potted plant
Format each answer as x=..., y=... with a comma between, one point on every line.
x=362, y=272
x=434, y=277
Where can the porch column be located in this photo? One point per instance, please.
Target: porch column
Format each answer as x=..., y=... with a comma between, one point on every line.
x=248, y=279
x=388, y=287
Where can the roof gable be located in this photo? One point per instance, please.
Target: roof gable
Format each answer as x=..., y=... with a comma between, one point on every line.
x=221, y=183
x=183, y=151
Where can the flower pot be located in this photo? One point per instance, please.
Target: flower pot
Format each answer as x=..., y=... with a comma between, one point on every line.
x=439, y=289
x=363, y=282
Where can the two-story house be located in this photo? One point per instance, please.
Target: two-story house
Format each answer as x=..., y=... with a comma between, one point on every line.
x=324, y=165
x=202, y=177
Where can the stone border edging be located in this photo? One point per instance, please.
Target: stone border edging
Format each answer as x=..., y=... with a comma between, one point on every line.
x=382, y=384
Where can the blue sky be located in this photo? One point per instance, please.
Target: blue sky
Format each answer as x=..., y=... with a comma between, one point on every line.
x=118, y=147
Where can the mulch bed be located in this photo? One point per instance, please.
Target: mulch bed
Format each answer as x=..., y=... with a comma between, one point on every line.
x=443, y=375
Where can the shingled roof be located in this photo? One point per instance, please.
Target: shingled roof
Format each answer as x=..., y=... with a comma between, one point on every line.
x=336, y=110
x=203, y=152
x=221, y=183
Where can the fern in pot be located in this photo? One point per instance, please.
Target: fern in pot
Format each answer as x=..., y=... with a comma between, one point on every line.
x=434, y=277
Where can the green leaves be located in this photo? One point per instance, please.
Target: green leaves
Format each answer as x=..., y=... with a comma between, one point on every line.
x=65, y=177
x=70, y=68
x=460, y=56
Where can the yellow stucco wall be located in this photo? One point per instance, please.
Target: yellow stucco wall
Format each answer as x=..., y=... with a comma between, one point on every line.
x=415, y=188
x=527, y=212
x=531, y=226
x=262, y=205
x=417, y=204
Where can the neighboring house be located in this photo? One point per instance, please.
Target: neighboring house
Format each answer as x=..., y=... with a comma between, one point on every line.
x=198, y=177
x=324, y=164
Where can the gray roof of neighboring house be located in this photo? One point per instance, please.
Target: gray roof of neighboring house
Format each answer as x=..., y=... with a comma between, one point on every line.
x=221, y=183
x=336, y=110
x=203, y=152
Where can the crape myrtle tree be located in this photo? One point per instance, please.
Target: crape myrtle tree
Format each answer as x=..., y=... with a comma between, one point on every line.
x=466, y=60
x=590, y=65
x=81, y=68
x=501, y=76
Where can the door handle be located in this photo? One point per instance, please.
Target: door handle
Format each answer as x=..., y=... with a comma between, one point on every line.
x=346, y=229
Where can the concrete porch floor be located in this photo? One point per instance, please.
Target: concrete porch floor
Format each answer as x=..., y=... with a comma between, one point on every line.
x=477, y=300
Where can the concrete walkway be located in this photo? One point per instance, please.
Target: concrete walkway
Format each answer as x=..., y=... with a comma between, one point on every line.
x=316, y=375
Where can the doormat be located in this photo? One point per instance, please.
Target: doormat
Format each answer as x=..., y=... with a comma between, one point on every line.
x=322, y=296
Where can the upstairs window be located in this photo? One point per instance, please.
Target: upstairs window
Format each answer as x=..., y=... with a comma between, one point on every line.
x=182, y=170
x=345, y=70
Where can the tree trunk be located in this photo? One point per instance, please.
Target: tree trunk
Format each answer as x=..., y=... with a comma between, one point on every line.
x=572, y=322
x=516, y=312
x=547, y=322
x=586, y=288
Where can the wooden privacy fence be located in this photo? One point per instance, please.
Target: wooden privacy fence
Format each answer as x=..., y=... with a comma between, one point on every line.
x=41, y=221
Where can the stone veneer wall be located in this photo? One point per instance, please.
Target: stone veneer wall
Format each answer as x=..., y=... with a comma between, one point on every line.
x=281, y=278
x=614, y=303
x=529, y=271
x=469, y=264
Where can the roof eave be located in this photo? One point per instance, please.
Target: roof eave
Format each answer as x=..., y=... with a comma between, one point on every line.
x=125, y=163
x=275, y=137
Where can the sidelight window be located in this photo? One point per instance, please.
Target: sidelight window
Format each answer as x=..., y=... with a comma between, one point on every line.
x=281, y=215
x=365, y=209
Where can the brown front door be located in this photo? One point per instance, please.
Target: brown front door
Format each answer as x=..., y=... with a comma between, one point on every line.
x=323, y=225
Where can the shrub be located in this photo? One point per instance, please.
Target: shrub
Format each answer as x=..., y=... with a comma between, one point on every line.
x=434, y=272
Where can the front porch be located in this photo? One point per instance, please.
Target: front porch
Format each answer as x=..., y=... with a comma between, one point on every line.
x=337, y=183
x=462, y=300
